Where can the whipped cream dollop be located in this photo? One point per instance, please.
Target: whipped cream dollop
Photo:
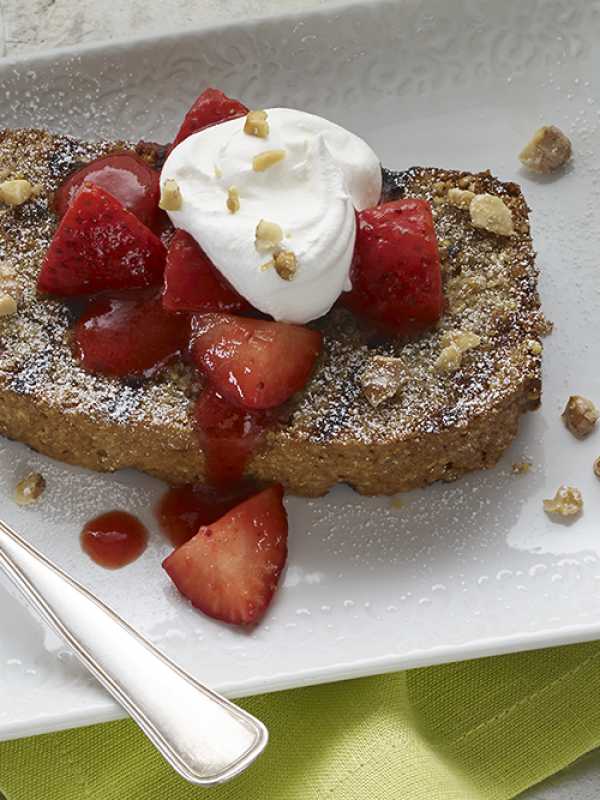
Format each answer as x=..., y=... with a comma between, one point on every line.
x=311, y=193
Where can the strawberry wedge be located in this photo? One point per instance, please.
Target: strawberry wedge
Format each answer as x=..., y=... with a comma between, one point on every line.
x=254, y=363
x=396, y=273
x=230, y=569
x=126, y=176
x=129, y=336
x=193, y=283
x=210, y=108
x=100, y=246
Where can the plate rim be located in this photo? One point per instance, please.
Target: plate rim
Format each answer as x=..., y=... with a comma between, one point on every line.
x=527, y=641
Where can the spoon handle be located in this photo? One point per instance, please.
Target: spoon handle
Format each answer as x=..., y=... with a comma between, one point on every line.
x=202, y=735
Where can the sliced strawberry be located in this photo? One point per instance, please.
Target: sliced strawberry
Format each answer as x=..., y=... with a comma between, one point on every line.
x=193, y=283
x=231, y=568
x=131, y=336
x=183, y=509
x=254, y=363
x=210, y=108
x=126, y=176
x=228, y=435
x=100, y=246
x=396, y=274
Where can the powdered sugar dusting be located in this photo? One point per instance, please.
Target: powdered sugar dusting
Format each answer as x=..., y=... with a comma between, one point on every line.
x=36, y=358
x=490, y=285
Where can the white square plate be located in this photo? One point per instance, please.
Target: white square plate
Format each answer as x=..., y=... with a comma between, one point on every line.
x=460, y=570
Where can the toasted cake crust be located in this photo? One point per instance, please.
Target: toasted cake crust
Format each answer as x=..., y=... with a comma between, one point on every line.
x=439, y=425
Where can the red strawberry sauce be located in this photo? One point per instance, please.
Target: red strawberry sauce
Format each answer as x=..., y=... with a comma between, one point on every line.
x=183, y=509
x=114, y=539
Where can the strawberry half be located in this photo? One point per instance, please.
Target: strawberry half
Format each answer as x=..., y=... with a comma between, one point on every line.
x=193, y=283
x=210, y=108
x=126, y=176
x=396, y=274
x=231, y=568
x=228, y=435
x=100, y=246
x=254, y=363
x=132, y=336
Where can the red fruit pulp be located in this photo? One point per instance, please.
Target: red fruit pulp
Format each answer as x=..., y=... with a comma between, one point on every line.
x=230, y=569
x=183, y=509
x=129, y=336
x=210, y=108
x=126, y=176
x=254, y=363
x=396, y=274
x=193, y=283
x=114, y=539
x=100, y=246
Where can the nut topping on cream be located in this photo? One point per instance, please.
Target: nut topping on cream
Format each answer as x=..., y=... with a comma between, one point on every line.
x=325, y=175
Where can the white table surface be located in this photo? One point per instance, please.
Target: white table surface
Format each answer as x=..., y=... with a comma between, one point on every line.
x=29, y=25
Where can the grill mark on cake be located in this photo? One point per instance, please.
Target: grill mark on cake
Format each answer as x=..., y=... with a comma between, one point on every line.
x=36, y=359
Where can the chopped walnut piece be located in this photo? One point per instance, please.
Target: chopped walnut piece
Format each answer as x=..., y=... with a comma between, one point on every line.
x=8, y=305
x=29, y=489
x=543, y=326
x=170, y=196
x=548, y=150
x=268, y=236
x=233, y=199
x=462, y=291
x=256, y=124
x=521, y=467
x=381, y=378
x=6, y=270
x=460, y=197
x=15, y=192
x=464, y=340
x=597, y=467
x=454, y=344
x=580, y=416
x=286, y=264
x=534, y=347
x=567, y=502
x=263, y=161
x=449, y=359
x=492, y=214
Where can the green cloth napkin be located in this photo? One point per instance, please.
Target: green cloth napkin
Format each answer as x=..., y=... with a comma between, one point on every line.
x=478, y=730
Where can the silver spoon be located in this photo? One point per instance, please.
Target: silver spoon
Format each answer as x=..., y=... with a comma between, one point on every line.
x=202, y=735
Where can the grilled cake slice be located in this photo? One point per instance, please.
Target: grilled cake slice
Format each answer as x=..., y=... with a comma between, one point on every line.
x=444, y=419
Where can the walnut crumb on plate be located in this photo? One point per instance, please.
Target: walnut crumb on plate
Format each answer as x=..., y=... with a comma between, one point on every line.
x=567, y=502
x=548, y=150
x=521, y=467
x=29, y=489
x=580, y=416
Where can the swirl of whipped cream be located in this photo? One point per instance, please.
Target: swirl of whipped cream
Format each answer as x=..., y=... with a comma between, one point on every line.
x=311, y=194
